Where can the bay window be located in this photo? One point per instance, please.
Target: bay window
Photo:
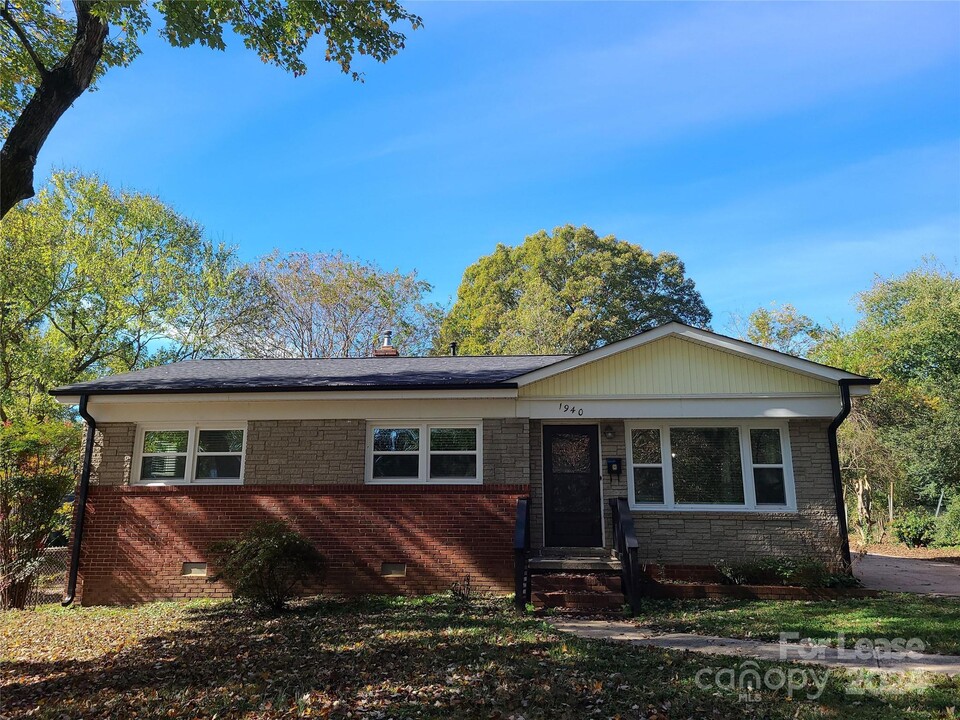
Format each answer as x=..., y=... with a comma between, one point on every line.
x=189, y=454
x=704, y=466
x=441, y=452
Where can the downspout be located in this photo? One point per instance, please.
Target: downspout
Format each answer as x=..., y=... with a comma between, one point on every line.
x=81, y=502
x=845, y=384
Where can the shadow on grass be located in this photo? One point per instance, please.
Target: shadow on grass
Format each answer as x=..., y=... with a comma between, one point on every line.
x=935, y=621
x=392, y=657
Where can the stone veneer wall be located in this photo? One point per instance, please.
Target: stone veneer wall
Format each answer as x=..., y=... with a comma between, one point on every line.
x=305, y=452
x=315, y=452
x=704, y=538
x=506, y=451
x=536, y=483
x=112, y=453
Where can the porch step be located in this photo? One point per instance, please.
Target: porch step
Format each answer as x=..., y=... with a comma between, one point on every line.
x=573, y=552
x=581, y=591
x=576, y=583
x=574, y=564
x=573, y=559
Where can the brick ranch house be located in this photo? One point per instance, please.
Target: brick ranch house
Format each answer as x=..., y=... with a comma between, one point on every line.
x=407, y=472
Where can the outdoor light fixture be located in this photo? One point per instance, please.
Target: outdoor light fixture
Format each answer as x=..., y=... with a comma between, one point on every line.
x=608, y=432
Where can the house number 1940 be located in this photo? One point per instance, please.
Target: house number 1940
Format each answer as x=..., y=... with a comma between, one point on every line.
x=572, y=409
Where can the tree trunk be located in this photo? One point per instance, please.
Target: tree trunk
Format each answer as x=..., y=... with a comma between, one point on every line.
x=59, y=88
x=15, y=595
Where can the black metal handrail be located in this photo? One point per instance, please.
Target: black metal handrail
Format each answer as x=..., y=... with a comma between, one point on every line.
x=521, y=550
x=628, y=552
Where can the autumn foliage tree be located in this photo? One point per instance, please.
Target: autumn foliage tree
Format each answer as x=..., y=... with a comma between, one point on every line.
x=311, y=305
x=567, y=292
x=54, y=52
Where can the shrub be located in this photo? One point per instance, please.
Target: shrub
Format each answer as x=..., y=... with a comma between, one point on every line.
x=462, y=591
x=784, y=570
x=36, y=473
x=915, y=528
x=266, y=565
x=948, y=525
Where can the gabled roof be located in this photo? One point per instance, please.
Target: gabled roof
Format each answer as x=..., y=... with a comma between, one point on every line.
x=704, y=337
x=412, y=373
x=375, y=373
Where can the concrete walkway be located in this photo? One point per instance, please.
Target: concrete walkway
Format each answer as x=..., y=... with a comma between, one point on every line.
x=894, y=574
x=849, y=658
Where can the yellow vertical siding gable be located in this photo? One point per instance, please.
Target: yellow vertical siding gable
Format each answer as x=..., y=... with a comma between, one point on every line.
x=675, y=366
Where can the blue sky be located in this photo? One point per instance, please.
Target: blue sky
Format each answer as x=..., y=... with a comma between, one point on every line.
x=786, y=152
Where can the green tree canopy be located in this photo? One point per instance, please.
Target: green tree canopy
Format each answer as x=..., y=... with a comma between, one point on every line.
x=53, y=52
x=781, y=327
x=330, y=305
x=96, y=281
x=909, y=330
x=909, y=336
x=567, y=292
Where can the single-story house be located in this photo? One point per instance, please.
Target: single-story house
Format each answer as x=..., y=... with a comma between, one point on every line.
x=406, y=472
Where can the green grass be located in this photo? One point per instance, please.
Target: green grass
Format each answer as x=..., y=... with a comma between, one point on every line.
x=380, y=658
x=936, y=621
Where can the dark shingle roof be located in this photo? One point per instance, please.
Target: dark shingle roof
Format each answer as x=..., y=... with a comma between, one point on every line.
x=374, y=373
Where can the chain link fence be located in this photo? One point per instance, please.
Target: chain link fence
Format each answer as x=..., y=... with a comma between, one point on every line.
x=51, y=581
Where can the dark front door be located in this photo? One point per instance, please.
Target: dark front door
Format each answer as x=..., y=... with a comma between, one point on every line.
x=571, y=486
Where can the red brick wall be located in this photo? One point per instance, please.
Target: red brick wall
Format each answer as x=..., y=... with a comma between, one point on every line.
x=137, y=538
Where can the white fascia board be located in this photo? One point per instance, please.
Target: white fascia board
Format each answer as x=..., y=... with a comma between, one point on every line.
x=737, y=347
x=677, y=408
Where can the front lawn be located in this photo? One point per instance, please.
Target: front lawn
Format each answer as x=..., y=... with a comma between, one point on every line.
x=936, y=621
x=378, y=658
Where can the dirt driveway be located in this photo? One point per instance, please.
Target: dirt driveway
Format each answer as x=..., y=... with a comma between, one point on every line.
x=897, y=574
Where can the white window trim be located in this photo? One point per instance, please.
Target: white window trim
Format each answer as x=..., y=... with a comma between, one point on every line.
x=193, y=435
x=746, y=458
x=424, y=452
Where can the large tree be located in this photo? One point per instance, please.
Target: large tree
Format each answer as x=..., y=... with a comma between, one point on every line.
x=95, y=281
x=909, y=336
x=329, y=305
x=780, y=327
x=53, y=53
x=567, y=292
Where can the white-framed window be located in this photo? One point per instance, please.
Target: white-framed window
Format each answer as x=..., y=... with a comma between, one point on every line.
x=424, y=452
x=710, y=465
x=184, y=453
